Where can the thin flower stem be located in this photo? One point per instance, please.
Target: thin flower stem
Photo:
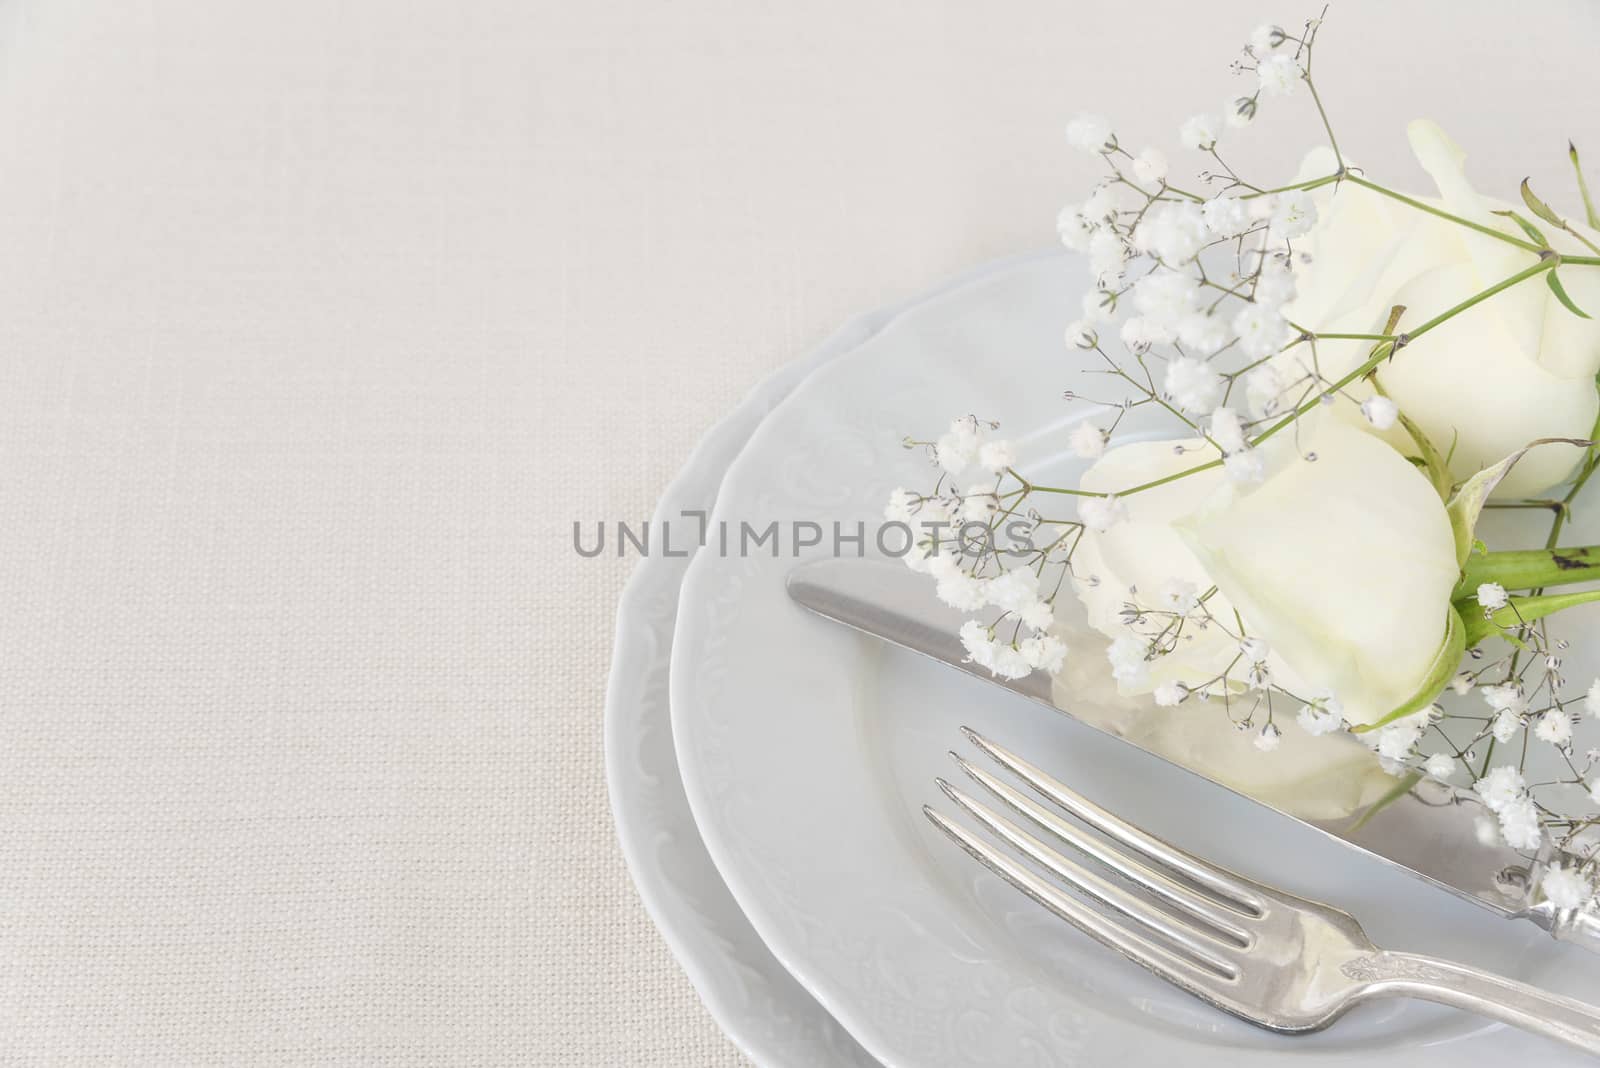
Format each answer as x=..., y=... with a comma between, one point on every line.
x=1333, y=142
x=1314, y=183
x=1431, y=210
x=1379, y=354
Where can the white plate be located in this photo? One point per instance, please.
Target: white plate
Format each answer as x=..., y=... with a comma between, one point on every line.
x=808, y=751
x=763, y=1010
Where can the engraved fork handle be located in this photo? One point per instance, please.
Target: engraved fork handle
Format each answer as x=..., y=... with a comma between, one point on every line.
x=1387, y=974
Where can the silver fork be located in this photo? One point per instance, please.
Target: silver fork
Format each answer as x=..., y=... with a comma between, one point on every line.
x=1278, y=961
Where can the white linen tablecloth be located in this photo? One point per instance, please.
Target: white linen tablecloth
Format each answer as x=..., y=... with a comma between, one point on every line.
x=320, y=323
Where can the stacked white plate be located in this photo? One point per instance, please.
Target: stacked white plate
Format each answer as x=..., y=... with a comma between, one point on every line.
x=768, y=769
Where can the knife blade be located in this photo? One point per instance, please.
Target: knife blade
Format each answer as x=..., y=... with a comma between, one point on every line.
x=1428, y=834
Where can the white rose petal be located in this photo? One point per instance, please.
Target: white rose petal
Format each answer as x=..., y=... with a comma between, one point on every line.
x=1245, y=466
x=1366, y=623
x=1488, y=381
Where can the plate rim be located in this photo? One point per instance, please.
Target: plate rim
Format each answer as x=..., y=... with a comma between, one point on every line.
x=708, y=461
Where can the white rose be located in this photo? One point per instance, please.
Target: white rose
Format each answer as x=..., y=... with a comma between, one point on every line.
x=1517, y=367
x=1342, y=565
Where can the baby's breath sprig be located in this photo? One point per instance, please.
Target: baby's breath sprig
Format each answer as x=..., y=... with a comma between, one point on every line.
x=1192, y=316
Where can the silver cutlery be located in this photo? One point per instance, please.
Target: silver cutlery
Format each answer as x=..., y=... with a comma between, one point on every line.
x=1279, y=961
x=1428, y=831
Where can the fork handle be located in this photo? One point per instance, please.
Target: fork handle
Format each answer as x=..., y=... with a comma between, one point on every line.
x=1518, y=1004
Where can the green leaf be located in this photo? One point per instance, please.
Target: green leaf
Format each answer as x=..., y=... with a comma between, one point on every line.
x=1540, y=208
x=1583, y=187
x=1527, y=227
x=1432, y=464
x=1465, y=507
x=1561, y=295
x=1440, y=672
x=1529, y=569
x=1521, y=610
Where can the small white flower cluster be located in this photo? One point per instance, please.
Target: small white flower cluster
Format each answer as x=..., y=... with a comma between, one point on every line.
x=1196, y=285
x=1505, y=793
x=1206, y=278
x=973, y=579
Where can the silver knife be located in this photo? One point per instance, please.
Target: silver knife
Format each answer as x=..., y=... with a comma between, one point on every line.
x=1431, y=837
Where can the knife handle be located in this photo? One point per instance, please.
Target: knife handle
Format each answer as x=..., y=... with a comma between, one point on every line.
x=1579, y=927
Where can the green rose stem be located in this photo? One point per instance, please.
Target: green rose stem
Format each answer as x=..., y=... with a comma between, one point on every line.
x=1583, y=187
x=1529, y=569
x=1431, y=210
x=1520, y=610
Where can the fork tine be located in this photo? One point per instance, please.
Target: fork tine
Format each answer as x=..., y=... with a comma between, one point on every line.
x=1219, y=881
x=1180, y=897
x=1171, y=966
x=1136, y=909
